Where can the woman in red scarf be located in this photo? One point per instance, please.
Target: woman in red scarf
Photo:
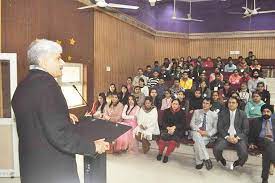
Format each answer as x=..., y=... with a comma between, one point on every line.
x=99, y=107
x=174, y=121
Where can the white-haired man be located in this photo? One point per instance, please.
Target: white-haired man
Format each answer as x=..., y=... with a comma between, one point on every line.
x=47, y=144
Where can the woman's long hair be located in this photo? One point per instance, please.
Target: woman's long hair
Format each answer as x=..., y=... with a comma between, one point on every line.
x=97, y=104
x=135, y=104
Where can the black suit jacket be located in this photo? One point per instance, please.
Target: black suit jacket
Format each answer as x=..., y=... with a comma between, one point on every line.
x=256, y=128
x=47, y=143
x=241, y=124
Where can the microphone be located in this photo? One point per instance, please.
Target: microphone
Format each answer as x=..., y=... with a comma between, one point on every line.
x=81, y=96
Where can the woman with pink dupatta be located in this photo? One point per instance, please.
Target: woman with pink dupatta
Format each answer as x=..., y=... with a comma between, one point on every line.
x=129, y=116
x=113, y=114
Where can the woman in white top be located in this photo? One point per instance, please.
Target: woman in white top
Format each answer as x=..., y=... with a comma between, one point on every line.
x=129, y=116
x=147, y=120
x=244, y=93
x=144, y=89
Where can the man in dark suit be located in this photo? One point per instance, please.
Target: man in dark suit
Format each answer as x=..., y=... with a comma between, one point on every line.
x=262, y=137
x=233, y=130
x=47, y=142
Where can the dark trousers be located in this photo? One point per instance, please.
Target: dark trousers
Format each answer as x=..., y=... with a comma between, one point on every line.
x=268, y=158
x=95, y=169
x=241, y=148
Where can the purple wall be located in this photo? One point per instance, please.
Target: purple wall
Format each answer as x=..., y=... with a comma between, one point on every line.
x=213, y=12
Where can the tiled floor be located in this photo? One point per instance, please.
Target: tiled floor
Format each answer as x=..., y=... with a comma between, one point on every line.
x=140, y=168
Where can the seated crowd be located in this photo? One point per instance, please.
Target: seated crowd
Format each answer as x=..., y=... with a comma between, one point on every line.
x=204, y=101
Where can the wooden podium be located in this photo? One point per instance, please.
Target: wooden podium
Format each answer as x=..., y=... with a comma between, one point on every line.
x=94, y=129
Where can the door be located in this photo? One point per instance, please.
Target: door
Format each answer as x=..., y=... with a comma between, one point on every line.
x=9, y=163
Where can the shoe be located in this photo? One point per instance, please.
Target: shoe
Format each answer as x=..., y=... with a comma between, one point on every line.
x=198, y=167
x=145, y=145
x=138, y=137
x=159, y=157
x=223, y=162
x=208, y=164
x=236, y=163
x=165, y=159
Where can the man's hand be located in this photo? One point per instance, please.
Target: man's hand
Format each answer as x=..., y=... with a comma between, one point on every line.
x=101, y=146
x=252, y=146
x=73, y=118
x=230, y=139
x=203, y=133
x=235, y=140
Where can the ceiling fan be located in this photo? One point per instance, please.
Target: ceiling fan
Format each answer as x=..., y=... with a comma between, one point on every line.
x=153, y=2
x=189, y=15
x=104, y=4
x=256, y=11
x=244, y=13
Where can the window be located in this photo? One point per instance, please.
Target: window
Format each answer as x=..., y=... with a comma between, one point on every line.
x=72, y=75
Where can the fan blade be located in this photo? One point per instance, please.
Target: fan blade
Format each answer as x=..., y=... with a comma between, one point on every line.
x=235, y=13
x=182, y=19
x=188, y=19
x=265, y=12
x=196, y=20
x=87, y=7
x=122, y=6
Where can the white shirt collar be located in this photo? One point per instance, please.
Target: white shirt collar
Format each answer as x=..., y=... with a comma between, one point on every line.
x=233, y=111
x=36, y=67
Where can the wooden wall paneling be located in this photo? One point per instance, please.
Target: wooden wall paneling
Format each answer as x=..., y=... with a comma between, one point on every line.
x=262, y=47
x=121, y=46
x=23, y=22
x=77, y=25
x=170, y=47
x=0, y=23
x=1, y=92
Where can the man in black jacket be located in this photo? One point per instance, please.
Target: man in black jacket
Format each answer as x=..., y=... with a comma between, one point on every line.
x=262, y=137
x=47, y=142
x=233, y=130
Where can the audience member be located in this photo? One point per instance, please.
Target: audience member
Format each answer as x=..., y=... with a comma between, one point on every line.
x=144, y=89
x=185, y=82
x=123, y=95
x=230, y=67
x=196, y=101
x=265, y=95
x=253, y=107
x=172, y=130
x=252, y=83
x=262, y=138
x=99, y=107
x=147, y=120
x=166, y=101
x=139, y=75
x=204, y=127
x=153, y=81
x=138, y=95
x=233, y=129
